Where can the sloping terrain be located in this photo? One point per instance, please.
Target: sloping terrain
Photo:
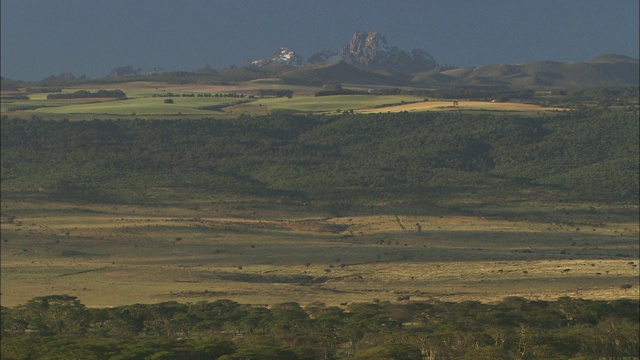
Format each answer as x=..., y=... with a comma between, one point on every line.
x=354, y=158
x=337, y=72
x=604, y=70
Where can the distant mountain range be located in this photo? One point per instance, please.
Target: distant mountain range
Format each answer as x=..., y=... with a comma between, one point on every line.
x=367, y=50
x=368, y=58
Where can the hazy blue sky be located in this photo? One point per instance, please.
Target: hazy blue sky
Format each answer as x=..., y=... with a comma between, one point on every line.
x=44, y=37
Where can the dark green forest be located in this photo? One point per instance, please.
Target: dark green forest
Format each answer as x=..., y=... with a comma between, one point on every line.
x=416, y=158
x=83, y=94
x=60, y=327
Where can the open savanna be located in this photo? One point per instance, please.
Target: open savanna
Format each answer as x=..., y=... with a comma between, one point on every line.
x=257, y=251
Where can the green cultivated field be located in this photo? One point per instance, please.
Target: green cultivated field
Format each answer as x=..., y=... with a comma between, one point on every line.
x=142, y=103
x=334, y=103
x=144, y=106
x=193, y=106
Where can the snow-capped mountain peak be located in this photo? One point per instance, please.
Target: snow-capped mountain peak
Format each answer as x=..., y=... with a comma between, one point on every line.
x=283, y=56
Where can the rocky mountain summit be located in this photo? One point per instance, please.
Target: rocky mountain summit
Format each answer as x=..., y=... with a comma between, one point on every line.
x=367, y=50
x=370, y=50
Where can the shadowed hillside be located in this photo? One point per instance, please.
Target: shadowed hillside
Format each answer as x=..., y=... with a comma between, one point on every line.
x=604, y=70
x=353, y=158
x=336, y=72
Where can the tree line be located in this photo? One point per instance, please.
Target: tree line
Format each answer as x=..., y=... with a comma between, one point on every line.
x=277, y=93
x=84, y=94
x=60, y=326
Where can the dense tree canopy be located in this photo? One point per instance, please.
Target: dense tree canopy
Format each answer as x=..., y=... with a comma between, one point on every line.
x=59, y=326
x=354, y=158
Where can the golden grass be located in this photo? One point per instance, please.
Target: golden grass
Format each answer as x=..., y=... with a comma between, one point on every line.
x=110, y=255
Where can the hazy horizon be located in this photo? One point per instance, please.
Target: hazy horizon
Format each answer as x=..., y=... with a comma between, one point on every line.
x=88, y=37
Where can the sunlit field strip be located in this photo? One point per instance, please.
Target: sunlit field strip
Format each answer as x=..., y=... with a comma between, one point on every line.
x=334, y=103
x=145, y=106
x=460, y=105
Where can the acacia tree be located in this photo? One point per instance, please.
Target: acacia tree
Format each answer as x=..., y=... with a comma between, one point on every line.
x=55, y=314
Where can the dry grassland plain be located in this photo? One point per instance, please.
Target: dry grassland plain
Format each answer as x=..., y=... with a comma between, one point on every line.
x=258, y=252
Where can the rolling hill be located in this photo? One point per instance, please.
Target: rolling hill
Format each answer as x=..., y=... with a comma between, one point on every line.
x=337, y=72
x=603, y=70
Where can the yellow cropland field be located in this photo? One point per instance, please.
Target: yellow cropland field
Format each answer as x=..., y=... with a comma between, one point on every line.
x=449, y=105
